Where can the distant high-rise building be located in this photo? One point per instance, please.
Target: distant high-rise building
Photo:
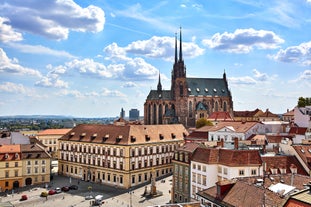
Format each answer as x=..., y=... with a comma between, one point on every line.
x=134, y=114
x=122, y=113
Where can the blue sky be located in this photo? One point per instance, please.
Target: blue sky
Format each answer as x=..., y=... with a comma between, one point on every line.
x=92, y=58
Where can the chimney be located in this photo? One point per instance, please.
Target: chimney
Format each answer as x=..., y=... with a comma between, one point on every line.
x=223, y=187
x=236, y=143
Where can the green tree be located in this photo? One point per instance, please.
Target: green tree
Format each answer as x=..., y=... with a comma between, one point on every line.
x=203, y=122
x=301, y=102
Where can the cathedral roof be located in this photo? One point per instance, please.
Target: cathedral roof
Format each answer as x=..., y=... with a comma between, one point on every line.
x=207, y=87
x=163, y=95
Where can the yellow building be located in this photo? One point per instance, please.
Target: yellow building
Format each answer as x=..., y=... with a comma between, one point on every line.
x=49, y=138
x=120, y=155
x=10, y=167
x=36, y=164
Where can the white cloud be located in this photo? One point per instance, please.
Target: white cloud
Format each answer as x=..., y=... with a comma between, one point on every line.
x=8, y=65
x=243, y=40
x=51, y=82
x=7, y=33
x=260, y=76
x=12, y=88
x=129, y=85
x=106, y=92
x=52, y=18
x=39, y=49
x=298, y=54
x=163, y=47
x=242, y=81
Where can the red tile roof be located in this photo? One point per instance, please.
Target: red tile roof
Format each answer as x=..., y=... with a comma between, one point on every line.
x=298, y=130
x=238, y=126
x=227, y=157
x=304, y=152
x=53, y=132
x=245, y=113
x=125, y=134
x=220, y=116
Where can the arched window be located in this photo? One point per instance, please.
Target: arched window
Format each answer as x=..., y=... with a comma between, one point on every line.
x=154, y=114
x=225, y=106
x=160, y=114
x=149, y=114
x=216, y=105
x=181, y=90
x=190, y=109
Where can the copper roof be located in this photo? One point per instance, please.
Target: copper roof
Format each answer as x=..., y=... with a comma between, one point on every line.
x=125, y=134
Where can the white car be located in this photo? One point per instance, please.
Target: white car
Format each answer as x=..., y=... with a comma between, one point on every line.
x=58, y=190
x=89, y=197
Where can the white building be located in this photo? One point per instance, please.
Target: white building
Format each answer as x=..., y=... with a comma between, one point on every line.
x=302, y=116
x=210, y=165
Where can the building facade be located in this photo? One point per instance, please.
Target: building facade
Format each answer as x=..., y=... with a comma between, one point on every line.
x=119, y=155
x=49, y=138
x=181, y=173
x=36, y=164
x=188, y=99
x=10, y=167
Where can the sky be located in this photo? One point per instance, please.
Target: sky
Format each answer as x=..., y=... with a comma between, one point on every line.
x=91, y=58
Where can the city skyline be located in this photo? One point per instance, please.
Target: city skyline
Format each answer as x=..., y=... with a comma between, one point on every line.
x=92, y=58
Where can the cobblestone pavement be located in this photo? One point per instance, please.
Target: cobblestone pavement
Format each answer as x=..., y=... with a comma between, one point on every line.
x=113, y=196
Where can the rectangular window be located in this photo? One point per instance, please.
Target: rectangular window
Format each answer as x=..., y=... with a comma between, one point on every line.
x=254, y=172
x=193, y=166
x=241, y=172
x=219, y=169
x=226, y=171
x=28, y=170
x=16, y=164
x=16, y=173
x=6, y=164
x=28, y=162
x=7, y=174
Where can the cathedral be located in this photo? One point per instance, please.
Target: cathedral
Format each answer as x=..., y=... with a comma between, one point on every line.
x=189, y=98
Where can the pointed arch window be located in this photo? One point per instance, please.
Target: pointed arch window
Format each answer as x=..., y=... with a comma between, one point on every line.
x=190, y=109
x=225, y=106
x=181, y=90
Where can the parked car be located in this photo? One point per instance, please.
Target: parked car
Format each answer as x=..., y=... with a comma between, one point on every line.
x=73, y=187
x=58, y=190
x=44, y=194
x=52, y=192
x=89, y=197
x=65, y=189
x=24, y=197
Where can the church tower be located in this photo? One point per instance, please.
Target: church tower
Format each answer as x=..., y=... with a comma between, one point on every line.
x=179, y=72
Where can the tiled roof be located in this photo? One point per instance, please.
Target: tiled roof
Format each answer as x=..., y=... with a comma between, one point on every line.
x=207, y=87
x=243, y=194
x=298, y=130
x=267, y=113
x=8, y=152
x=220, y=116
x=283, y=161
x=33, y=151
x=245, y=113
x=163, y=95
x=236, y=125
x=227, y=157
x=189, y=147
x=125, y=134
x=299, y=199
x=289, y=113
x=198, y=135
x=304, y=152
x=277, y=138
x=53, y=132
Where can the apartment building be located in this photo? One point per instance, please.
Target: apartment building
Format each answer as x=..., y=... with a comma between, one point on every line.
x=210, y=165
x=121, y=155
x=10, y=167
x=181, y=172
x=49, y=138
x=36, y=164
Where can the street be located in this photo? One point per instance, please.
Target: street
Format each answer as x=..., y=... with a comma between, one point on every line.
x=112, y=196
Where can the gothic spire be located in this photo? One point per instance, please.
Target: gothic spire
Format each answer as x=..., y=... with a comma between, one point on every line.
x=180, y=46
x=175, y=47
x=159, y=84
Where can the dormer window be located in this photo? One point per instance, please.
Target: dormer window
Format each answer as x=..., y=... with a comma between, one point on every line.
x=147, y=137
x=6, y=156
x=161, y=136
x=173, y=136
x=16, y=155
x=189, y=89
x=133, y=139
x=198, y=90
x=119, y=138
x=206, y=90
x=214, y=90
x=105, y=137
